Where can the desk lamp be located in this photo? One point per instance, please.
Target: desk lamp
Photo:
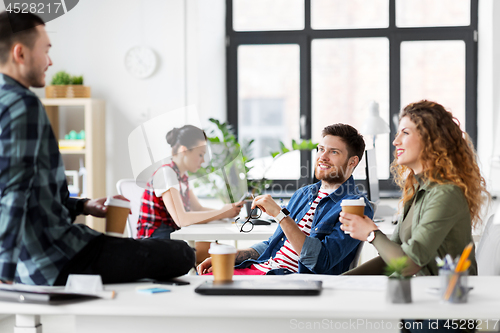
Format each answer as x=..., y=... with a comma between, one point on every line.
x=374, y=124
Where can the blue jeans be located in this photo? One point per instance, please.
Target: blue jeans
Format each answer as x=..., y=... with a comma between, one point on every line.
x=162, y=232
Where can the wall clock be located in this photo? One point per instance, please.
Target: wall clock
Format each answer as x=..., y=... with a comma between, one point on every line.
x=140, y=61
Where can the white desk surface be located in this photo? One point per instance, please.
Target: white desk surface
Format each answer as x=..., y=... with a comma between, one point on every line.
x=223, y=230
x=183, y=309
x=219, y=230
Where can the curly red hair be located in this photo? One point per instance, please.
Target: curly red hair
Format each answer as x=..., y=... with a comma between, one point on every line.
x=448, y=156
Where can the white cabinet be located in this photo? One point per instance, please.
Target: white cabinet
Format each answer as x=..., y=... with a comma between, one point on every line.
x=86, y=114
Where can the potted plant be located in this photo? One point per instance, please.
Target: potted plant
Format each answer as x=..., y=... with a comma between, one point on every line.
x=63, y=85
x=224, y=149
x=398, y=285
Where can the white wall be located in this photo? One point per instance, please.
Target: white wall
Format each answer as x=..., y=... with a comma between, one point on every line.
x=92, y=39
x=188, y=38
x=489, y=91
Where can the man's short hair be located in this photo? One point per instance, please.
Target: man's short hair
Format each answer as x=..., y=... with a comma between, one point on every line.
x=17, y=28
x=350, y=136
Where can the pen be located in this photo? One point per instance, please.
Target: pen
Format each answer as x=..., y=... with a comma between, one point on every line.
x=463, y=264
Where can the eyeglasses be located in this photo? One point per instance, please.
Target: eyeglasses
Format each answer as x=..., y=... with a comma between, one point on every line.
x=247, y=226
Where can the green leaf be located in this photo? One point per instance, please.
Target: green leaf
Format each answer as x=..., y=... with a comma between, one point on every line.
x=396, y=266
x=77, y=80
x=61, y=78
x=274, y=154
x=214, y=140
x=295, y=146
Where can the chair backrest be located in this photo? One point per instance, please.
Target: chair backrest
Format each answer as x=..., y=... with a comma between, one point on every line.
x=488, y=249
x=355, y=261
x=130, y=190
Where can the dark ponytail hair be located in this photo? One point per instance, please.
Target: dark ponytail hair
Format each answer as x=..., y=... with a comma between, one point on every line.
x=188, y=136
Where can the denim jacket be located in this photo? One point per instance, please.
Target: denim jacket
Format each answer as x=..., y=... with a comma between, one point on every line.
x=327, y=250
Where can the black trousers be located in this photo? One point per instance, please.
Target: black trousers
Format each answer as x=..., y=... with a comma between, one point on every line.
x=120, y=260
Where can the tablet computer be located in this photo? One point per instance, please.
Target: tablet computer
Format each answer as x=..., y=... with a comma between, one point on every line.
x=260, y=287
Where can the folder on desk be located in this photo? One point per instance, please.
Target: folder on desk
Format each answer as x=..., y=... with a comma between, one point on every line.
x=261, y=288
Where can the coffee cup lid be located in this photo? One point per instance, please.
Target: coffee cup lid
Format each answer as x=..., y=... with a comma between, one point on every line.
x=221, y=249
x=117, y=203
x=353, y=202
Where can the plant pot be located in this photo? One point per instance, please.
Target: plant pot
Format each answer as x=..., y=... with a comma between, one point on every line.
x=399, y=290
x=67, y=91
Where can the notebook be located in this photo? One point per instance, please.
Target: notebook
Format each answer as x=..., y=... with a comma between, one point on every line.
x=259, y=287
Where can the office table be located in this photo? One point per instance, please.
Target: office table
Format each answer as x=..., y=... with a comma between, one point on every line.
x=222, y=230
x=340, y=307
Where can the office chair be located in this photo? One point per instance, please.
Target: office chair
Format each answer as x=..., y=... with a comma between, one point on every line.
x=130, y=190
x=355, y=261
x=488, y=250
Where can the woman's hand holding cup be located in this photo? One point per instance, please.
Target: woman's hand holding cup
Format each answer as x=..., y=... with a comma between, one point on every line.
x=356, y=226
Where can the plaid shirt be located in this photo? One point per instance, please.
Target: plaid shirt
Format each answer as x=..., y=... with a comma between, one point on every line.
x=153, y=211
x=37, y=237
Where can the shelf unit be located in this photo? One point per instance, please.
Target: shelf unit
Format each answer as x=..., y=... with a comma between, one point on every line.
x=94, y=154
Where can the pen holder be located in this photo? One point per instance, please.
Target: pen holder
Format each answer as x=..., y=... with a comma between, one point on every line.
x=460, y=289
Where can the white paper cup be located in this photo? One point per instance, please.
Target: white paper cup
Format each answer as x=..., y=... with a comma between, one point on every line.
x=353, y=206
x=222, y=262
x=116, y=216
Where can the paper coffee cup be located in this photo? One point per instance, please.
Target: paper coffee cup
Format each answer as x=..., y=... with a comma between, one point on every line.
x=223, y=257
x=116, y=216
x=353, y=206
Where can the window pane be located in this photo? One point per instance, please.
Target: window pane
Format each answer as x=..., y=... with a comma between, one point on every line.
x=432, y=13
x=347, y=74
x=351, y=14
x=258, y=15
x=434, y=70
x=268, y=104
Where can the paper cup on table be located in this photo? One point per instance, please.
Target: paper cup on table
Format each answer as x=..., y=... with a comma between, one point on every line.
x=353, y=206
x=223, y=257
x=116, y=216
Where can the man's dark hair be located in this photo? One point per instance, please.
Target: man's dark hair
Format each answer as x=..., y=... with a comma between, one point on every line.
x=17, y=28
x=351, y=137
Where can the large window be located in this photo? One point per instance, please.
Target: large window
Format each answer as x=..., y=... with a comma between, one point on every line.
x=295, y=66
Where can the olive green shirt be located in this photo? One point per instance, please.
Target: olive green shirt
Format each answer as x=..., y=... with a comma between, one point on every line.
x=440, y=225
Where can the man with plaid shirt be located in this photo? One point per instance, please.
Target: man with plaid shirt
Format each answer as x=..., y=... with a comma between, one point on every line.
x=39, y=244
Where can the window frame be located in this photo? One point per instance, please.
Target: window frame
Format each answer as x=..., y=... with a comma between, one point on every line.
x=395, y=35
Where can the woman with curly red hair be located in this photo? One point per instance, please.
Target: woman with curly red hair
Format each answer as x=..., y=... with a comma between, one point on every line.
x=443, y=192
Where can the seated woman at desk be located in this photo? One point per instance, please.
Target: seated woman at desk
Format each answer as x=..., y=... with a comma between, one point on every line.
x=168, y=203
x=443, y=191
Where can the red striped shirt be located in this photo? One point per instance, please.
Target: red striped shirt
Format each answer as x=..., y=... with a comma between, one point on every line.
x=287, y=257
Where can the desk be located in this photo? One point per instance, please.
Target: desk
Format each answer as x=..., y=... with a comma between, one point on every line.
x=218, y=230
x=228, y=231
x=182, y=310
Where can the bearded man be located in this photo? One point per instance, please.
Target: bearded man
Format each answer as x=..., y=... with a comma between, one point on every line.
x=308, y=238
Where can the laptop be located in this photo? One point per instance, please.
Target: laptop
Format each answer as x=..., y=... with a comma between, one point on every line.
x=259, y=287
x=42, y=297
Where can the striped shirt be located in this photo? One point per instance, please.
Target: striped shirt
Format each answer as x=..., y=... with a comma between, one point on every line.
x=287, y=257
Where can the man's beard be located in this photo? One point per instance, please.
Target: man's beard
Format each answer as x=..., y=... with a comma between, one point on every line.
x=35, y=78
x=335, y=175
